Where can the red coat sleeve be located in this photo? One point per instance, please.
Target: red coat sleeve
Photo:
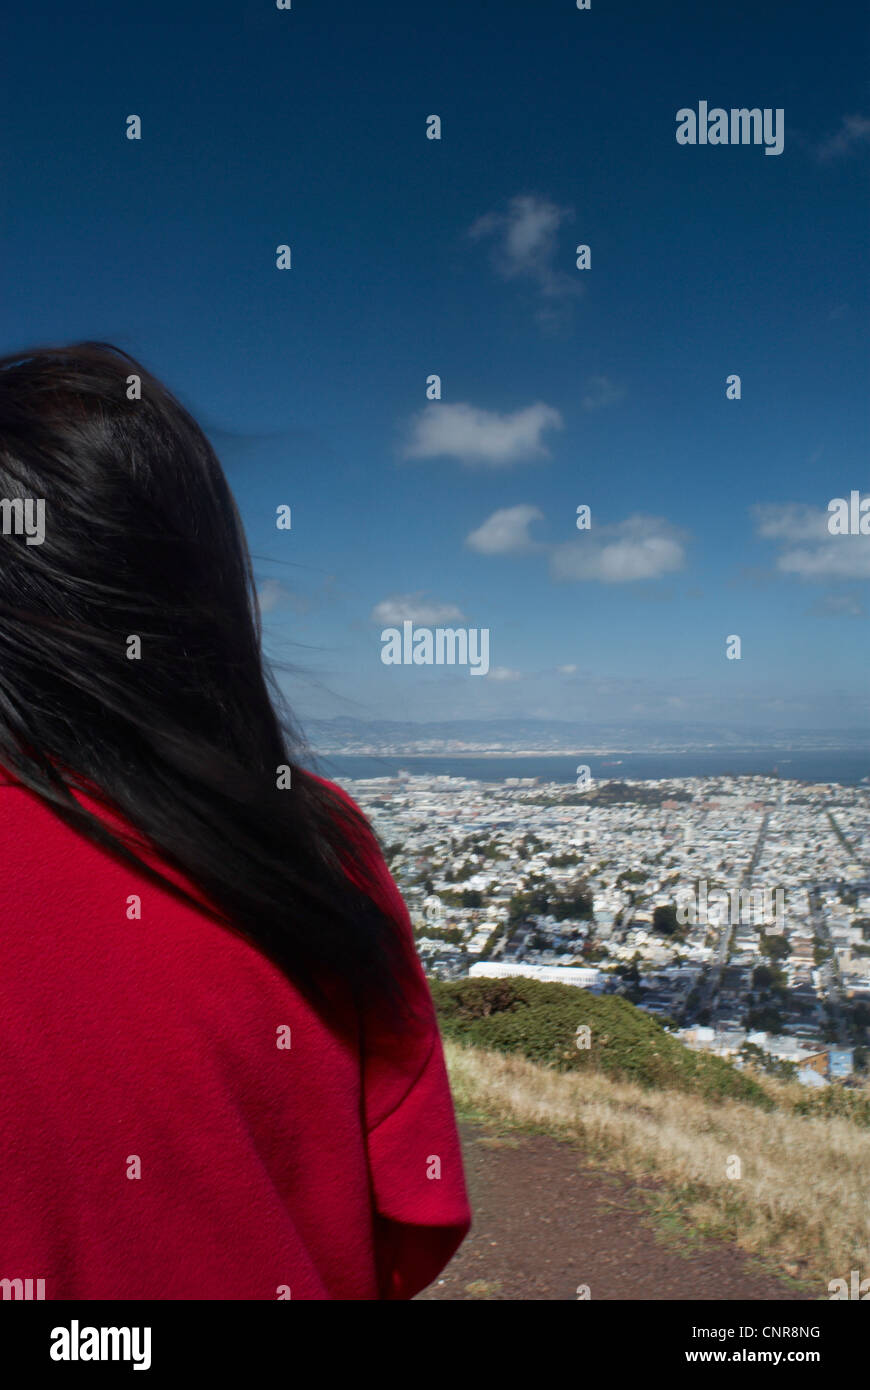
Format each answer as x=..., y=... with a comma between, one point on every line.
x=421, y=1205
x=422, y=1213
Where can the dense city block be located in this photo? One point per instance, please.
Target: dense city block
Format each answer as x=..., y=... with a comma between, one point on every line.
x=735, y=909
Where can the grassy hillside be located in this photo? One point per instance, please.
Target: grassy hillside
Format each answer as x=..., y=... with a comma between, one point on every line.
x=540, y=1022
x=761, y=1163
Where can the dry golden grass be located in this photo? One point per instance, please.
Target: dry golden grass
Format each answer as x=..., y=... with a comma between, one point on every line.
x=802, y=1201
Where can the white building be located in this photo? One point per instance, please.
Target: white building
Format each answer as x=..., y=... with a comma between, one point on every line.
x=585, y=976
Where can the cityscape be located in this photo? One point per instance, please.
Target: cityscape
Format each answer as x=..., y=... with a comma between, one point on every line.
x=734, y=908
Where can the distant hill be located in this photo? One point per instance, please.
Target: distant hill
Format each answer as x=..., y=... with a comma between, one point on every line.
x=555, y=735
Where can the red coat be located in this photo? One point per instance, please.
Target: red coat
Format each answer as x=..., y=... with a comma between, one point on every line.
x=157, y=1142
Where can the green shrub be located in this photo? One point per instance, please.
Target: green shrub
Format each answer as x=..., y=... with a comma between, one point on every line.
x=540, y=1022
x=836, y=1101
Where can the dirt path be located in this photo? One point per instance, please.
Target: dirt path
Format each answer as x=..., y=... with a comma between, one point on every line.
x=544, y=1225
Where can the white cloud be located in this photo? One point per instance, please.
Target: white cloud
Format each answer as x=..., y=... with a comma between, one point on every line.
x=483, y=437
x=845, y=557
x=854, y=131
x=504, y=673
x=416, y=607
x=506, y=532
x=809, y=550
x=641, y=547
x=526, y=243
x=790, y=521
x=600, y=391
x=271, y=595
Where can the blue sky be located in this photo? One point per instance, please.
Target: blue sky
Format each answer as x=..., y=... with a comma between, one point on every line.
x=456, y=256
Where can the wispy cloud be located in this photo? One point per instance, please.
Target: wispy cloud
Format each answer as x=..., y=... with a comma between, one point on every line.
x=526, y=244
x=483, y=438
x=641, y=547
x=506, y=532
x=854, y=133
x=414, y=607
x=790, y=521
x=600, y=392
x=808, y=549
x=272, y=594
x=838, y=606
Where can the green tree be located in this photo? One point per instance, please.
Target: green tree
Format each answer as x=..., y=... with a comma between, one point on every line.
x=774, y=946
x=664, y=921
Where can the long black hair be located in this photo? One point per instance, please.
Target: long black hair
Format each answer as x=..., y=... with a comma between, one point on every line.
x=142, y=538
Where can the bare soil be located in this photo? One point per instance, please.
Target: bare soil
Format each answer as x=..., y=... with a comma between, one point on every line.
x=545, y=1225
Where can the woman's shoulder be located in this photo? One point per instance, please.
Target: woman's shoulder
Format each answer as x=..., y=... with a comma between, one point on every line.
x=21, y=808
